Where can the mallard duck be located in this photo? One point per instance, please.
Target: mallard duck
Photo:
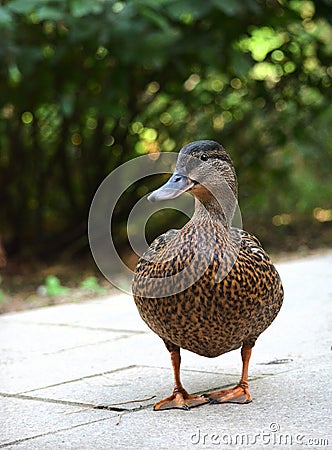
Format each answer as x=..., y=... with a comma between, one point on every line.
x=209, y=288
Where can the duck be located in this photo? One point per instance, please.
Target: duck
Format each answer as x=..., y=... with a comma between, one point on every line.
x=208, y=287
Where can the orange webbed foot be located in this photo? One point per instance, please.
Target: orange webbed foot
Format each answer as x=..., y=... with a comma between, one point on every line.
x=238, y=394
x=180, y=400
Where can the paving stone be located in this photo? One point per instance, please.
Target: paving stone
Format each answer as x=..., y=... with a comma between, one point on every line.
x=45, y=370
x=112, y=313
x=23, y=419
x=25, y=340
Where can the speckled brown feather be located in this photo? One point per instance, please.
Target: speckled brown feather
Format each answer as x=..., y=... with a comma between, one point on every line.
x=211, y=316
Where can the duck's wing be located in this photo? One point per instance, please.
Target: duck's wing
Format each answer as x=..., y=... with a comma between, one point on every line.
x=157, y=262
x=158, y=246
x=250, y=245
x=257, y=272
x=249, y=239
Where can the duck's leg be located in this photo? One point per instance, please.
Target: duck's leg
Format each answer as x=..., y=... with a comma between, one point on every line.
x=240, y=393
x=180, y=397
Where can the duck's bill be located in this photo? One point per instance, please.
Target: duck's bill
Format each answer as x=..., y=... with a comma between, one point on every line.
x=175, y=186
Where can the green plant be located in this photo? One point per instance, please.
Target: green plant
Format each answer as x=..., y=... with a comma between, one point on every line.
x=53, y=287
x=85, y=86
x=91, y=284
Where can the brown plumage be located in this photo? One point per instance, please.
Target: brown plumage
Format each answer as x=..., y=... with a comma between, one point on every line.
x=209, y=288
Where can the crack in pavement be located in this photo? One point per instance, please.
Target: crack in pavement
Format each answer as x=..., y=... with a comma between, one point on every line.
x=78, y=379
x=70, y=325
x=29, y=438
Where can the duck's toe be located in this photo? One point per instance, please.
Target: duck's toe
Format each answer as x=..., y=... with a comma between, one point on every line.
x=238, y=394
x=180, y=400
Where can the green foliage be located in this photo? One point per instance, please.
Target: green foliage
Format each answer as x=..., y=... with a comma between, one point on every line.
x=53, y=287
x=91, y=284
x=86, y=86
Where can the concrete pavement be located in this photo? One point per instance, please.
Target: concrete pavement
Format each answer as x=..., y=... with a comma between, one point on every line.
x=60, y=361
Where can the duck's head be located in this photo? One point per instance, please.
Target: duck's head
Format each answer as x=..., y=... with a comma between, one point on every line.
x=205, y=170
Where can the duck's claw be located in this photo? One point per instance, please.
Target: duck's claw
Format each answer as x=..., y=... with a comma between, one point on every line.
x=180, y=400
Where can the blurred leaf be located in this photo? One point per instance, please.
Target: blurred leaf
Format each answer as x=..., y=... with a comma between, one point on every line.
x=5, y=17
x=229, y=7
x=67, y=104
x=80, y=8
x=156, y=18
x=196, y=8
x=24, y=7
x=240, y=63
x=49, y=13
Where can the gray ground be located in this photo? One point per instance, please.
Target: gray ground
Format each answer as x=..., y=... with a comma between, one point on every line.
x=58, y=361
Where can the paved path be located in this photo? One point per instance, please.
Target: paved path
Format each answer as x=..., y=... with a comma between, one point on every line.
x=57, y=362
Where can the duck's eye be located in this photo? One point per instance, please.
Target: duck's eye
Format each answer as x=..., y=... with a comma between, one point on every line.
x=204, y=157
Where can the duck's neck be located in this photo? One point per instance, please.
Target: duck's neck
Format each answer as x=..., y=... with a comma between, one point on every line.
x=210, y=211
